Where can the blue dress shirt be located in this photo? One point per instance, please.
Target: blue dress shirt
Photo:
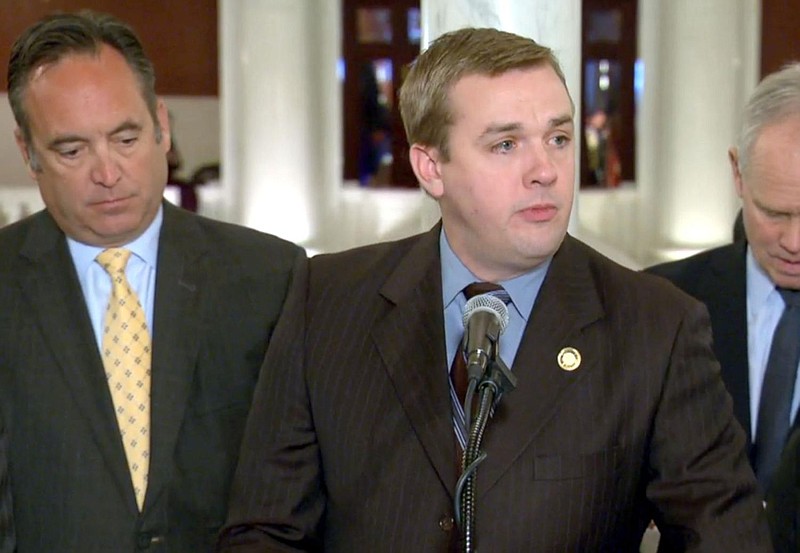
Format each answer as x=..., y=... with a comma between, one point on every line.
x=140, y=271
x=764, y=309
x=522, y=290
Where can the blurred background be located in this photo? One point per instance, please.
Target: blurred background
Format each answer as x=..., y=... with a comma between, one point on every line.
x=285, y=111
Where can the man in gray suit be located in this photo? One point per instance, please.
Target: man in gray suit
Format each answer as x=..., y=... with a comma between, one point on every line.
x=619, y=415
x=109, y=451
x=746, y=287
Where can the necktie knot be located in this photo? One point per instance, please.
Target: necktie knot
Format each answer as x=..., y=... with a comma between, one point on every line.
x=478, y=288
x=114, y=260
x=790, y=297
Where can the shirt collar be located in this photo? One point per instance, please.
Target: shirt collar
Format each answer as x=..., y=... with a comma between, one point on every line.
x=759, y=285
x=145, y=247
x=521, y=289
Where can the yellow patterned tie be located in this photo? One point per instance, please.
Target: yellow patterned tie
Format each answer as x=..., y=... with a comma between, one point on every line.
x=126, y=358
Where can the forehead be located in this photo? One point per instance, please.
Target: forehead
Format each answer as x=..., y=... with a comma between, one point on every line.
x=773, y=174
x=776, y=152
x=82, y=86
x=533, y=92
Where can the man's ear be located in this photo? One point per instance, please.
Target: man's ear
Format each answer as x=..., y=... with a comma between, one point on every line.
x=426, y=163
x=26, y=153
x=733, y=157
x=162, y=114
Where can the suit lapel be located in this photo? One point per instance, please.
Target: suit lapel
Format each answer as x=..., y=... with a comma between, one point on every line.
x=724, y=291
x=567, y=302
x=176, y=331
x=51, y=287
x=410, y=340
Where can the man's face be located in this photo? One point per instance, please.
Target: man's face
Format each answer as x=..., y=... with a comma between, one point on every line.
x=770, y=193
x=102, y=170
x=507, y=189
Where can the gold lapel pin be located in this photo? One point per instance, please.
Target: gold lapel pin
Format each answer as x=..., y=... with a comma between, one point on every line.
x=569, y=359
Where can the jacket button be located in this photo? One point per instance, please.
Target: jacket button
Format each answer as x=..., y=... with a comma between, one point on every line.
x=446, y=523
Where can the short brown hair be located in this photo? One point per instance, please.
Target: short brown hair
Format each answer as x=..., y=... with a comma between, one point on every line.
x=62, y=34
x=424, y=104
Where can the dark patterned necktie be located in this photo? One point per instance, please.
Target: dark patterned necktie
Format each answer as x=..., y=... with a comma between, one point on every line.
x=774, y=412
x=458, y=369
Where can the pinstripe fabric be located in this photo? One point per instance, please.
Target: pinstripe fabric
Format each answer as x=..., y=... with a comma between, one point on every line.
x=349, y=444
x=219, y=292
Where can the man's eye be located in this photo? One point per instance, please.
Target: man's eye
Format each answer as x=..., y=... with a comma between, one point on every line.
x=504, y=146
x=69, y=153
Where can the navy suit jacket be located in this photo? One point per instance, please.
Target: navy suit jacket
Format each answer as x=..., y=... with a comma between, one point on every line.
x=350, y=446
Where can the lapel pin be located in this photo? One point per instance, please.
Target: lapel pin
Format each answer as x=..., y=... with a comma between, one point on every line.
x=569, y=359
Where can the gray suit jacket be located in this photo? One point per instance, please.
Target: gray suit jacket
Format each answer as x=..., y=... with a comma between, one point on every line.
x=219, y=290
x=350, y=447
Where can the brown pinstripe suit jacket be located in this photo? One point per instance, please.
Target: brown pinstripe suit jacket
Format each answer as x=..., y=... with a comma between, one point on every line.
x=349, y=445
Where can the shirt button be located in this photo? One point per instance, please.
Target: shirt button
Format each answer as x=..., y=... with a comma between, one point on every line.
x=446, y=523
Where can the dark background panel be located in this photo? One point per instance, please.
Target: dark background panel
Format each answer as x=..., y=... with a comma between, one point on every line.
x=180, y=36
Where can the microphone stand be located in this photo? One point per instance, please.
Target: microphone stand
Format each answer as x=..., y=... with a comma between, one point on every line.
x=491, y=386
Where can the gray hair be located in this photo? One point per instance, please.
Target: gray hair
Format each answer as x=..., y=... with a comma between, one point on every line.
x=775, y=97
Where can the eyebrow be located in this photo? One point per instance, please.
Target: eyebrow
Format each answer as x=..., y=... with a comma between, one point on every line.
x=503, y=128
x=70, y=138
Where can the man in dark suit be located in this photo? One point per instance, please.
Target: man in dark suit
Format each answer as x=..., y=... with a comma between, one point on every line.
x=742, y=284
x=619, y=415
x=89, y=470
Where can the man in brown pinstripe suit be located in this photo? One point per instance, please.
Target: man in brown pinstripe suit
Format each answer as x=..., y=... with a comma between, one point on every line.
x=619, y=415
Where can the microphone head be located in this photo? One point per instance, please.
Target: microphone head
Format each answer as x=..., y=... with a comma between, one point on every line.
x=486, y=303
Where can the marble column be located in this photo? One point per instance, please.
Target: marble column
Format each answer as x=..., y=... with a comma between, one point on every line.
x=701, y=63
x=278, y=62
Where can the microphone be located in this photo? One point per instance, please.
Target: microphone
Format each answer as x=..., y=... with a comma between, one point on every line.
x=485, y=318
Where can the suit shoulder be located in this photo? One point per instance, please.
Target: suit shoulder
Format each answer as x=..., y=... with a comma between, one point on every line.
x=370, y=262
x=16, y=231
x=13, y=237
x=237, y=243
x=686, y=273
x=625, y=288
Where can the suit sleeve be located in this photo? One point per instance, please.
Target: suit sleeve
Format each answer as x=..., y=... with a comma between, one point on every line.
x=701, y=484
x=278, y=499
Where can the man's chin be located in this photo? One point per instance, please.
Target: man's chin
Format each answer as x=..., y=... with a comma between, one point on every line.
x=790, y=281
